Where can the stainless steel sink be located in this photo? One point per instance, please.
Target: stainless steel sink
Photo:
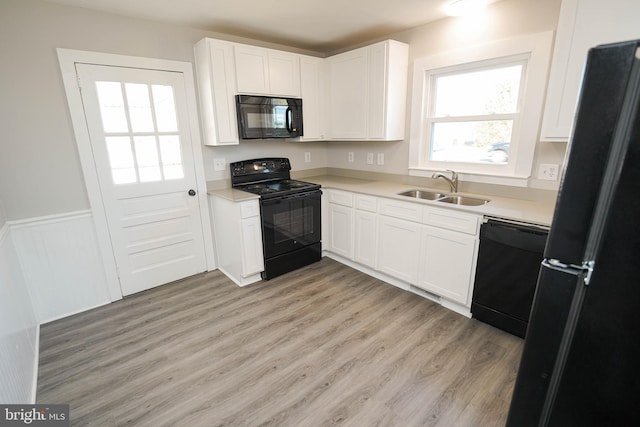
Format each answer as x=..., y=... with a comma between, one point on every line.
x=421, y=194
x=463, y=200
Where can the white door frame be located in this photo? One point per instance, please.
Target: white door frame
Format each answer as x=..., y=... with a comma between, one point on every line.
x=68, y=58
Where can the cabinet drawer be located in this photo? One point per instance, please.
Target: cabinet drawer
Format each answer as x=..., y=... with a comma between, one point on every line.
x=366, y=203
x=341, y=198
x=451, y=220
x=249, y=209
x=403, y=210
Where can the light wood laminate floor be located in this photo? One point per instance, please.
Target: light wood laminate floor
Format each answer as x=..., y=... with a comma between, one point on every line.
x=324, y=345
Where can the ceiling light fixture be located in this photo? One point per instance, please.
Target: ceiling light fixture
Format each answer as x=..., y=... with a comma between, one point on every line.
x=464, y=7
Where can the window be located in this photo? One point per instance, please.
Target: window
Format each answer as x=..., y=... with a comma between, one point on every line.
x=477, y=110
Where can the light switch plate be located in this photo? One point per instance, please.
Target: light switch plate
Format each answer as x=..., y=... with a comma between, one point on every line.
x=350, y=157
x=307, y=156
x=369, y=158
x=380, y=159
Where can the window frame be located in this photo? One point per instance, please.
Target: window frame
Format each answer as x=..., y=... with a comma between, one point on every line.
x=535, y=50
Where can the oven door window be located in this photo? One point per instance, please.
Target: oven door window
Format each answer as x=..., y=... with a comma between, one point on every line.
x=290, y=223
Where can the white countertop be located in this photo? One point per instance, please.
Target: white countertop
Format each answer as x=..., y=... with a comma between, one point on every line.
x=536, y=212
x=233, y=195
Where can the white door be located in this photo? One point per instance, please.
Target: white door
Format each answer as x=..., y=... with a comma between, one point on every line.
x=138, y=126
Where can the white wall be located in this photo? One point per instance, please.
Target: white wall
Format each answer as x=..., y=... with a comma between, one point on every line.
x=18, y=328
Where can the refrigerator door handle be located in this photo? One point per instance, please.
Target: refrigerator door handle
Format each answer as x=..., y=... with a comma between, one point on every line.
x=587, y=266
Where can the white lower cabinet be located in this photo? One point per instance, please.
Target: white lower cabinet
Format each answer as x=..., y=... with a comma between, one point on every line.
x=340, y=222
x=366, y=238
x=399, y=248
x=341, y=230
x=238, y=238
x=447, y=260
x=252, y=257
x=424, y=246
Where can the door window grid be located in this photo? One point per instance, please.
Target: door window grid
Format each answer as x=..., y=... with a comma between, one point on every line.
x=141, y=133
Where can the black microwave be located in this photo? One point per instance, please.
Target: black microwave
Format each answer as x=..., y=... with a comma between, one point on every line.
x=261, y=117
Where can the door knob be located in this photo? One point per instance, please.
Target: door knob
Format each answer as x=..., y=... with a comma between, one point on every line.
x=192, y=192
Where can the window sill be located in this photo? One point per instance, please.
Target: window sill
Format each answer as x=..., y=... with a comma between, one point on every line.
x=510, y=180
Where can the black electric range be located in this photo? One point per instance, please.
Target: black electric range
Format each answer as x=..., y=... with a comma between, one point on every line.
x=290, y=212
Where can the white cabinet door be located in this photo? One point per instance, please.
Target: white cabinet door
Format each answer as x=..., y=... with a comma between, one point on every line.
x=341, y=230
x=215, y=72
x=366, y=238
x=252, y=69
x=251, y=237
x=447, y=262
x=367, y=90
x=377, y=90
x=284, y=74
x=311, y=92
x=266, y=71
x=582, y=25
x=349, y=94
x=399, y=248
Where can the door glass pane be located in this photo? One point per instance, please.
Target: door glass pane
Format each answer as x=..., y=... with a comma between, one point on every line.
x=121, y=159
x=139, y=107
x=165, y=108
x=493, y=91
x=111, y=103
x=171, y=157
x=483, y=141
x=147, y=158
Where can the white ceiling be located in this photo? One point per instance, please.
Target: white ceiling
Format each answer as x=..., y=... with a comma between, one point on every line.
x=317, y=25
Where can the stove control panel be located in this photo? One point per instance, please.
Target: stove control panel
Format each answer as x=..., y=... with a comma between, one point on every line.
x=259, y=166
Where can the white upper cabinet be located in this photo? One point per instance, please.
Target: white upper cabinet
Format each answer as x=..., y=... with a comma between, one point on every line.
x=349, y=94
x=356, y=95
x=582, y=25
x=215, y=72
x=367, y=92
x=267, y=71
x=312, y=92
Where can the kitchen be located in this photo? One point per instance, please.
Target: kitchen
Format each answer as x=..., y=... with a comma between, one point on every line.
x=45, y=180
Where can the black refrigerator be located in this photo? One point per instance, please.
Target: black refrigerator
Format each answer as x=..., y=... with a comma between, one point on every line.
x=581, y=358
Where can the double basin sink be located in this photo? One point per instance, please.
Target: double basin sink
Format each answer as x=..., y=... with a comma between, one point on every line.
x=444, y=198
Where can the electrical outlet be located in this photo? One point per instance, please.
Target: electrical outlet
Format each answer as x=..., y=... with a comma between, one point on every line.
x=369, y=158
x=307, y=156
x=350, y=157
x=380, y=159
x=219, y=164
x=548, y=171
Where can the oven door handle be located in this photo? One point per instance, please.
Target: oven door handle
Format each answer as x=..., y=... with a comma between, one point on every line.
x=277, y=200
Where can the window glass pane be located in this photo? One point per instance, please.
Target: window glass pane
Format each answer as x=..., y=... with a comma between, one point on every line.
x=493, y=91
x=139, y=107
x=111, y=103
x=165, y=108
x=147, y=158
x=485, y=141
x=121, y=159
x=171, y=157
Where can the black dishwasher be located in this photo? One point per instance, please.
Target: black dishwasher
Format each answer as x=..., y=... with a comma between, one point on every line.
x=509, y=260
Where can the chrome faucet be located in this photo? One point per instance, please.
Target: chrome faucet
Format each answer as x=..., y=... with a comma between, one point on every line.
x=453, y=181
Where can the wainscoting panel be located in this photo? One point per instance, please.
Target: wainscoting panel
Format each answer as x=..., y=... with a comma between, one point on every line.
x=19, y=330
x=61, y=262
